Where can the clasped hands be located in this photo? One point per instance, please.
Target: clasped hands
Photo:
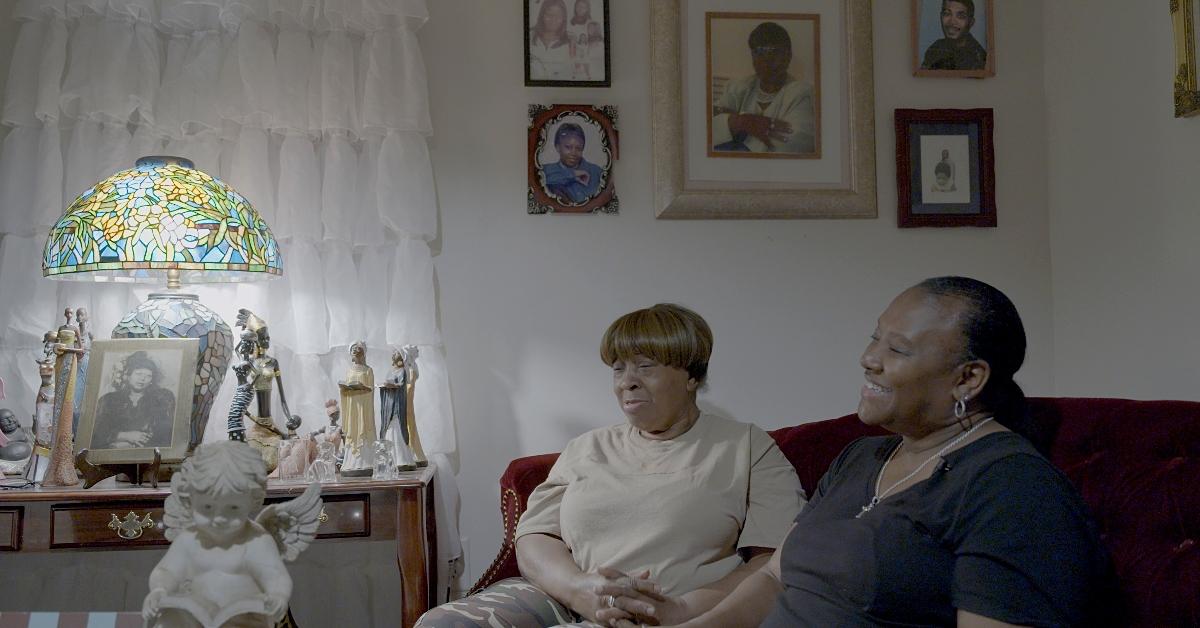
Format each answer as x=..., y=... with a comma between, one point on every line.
x=765, y=128
x=625, y=601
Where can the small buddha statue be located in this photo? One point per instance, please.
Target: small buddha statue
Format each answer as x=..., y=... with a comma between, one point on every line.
x=15, y=446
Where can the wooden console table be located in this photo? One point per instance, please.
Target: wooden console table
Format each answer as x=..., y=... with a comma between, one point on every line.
x=74, y=520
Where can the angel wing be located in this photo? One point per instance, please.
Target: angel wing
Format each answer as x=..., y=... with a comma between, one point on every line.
x=177, y=516
x=293, y=523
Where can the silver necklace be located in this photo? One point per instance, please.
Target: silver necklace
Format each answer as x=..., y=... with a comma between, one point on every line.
x=879, y=496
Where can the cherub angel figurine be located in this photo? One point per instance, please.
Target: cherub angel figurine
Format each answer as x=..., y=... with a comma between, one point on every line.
x=225, y=565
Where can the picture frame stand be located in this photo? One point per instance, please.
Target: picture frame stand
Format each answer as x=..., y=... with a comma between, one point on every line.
x=93, y=474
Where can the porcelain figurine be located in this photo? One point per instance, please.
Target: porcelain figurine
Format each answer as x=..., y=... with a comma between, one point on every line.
x=393, y=413
x=43, y=415
x=358, y=413
x=414, y=438
x=225, y=565
x=266, y=377
x=82, y=341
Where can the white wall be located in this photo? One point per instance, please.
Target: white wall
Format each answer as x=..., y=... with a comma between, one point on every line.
x=524, y=299
x=1124, y=188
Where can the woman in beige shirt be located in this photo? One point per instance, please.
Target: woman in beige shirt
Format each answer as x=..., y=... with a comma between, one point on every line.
x=675, y=502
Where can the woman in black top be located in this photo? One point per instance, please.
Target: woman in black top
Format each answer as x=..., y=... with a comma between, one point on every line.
x=956, y=519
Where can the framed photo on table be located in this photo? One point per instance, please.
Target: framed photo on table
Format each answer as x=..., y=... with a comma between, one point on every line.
x=953, y=38
x=1183, y=23
x=138, y=398
x=567, y=43
x=945, y=173
x=570, y=159
x=762, y=109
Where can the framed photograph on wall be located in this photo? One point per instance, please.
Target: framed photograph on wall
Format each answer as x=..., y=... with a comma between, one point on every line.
x=764, y=84
x=762, y=109
x=567, y=43
x=570, y=159
x=953, y=38
x=138, y=398
x=945, y=175
x=1183, y=23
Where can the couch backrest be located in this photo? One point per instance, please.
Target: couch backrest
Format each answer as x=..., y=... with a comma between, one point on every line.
x=1136, y=463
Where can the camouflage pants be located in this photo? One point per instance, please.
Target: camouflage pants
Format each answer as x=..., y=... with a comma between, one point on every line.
x=511, y=603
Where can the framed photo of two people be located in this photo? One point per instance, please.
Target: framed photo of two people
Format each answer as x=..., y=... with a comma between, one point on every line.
x=953, y=38
x=762, y=108
x=567, y=43
x=945, y=173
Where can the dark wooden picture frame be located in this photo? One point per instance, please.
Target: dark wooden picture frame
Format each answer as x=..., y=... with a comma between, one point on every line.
x=598, y=123
x=945, y=168
x=928, y=32
x=575, y=61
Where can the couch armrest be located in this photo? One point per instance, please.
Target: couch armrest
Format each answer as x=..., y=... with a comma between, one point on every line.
x=519, y=479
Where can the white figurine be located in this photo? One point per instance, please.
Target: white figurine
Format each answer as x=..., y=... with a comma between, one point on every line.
x=225, y=565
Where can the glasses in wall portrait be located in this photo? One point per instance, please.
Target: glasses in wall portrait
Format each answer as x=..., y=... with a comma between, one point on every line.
x=567, y=43
x=764, y=85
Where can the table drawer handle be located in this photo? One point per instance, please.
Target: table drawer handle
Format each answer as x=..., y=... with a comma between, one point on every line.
x=131, y=527
x=322, y=517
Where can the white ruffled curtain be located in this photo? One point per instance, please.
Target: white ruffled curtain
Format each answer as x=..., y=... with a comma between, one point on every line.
x=315, y=110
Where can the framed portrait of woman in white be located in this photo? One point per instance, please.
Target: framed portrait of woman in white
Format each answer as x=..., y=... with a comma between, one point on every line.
x=567, y=43
x=764, y=85
x=762, y=109
x=138, y=399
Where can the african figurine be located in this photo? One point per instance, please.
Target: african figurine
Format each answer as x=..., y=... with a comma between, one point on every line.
x=265, y=374
x=60, y=377
x=61, y=471
x=358, y=413
x=414, y=438
x=83, y=341
x=225, y=565
x=393, y=413
x=332, y=433
x=244, y=392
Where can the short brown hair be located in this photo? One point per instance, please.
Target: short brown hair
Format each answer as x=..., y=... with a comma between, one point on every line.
x=670, y=334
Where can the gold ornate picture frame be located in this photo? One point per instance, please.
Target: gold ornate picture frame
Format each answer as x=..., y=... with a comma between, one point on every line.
x=1183, y=24
x=839, y=185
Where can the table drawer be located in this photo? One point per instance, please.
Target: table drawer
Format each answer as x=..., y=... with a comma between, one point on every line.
x=10, y=528
x=346, y=516
x=107, y=525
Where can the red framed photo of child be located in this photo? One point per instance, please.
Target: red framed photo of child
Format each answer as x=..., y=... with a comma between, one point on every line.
x=571, y=153
x=567, y=43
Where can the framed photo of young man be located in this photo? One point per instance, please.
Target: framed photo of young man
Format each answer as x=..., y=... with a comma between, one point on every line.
x=945, y=174
x=570, y=159
x=953, y=38
x=138, y=398
x=567, y=43
x=762, y=109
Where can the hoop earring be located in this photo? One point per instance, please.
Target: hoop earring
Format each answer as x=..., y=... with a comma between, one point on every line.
x=960, y=408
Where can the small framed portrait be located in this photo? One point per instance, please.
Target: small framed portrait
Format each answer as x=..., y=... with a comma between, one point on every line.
x=945, y=174
x=138, y=398
x=567, y=43
x=953, y=38
x=571, y=153
x=1183, y=25
x=764, y=85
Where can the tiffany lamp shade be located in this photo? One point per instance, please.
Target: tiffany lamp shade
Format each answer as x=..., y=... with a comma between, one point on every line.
x=165, y=218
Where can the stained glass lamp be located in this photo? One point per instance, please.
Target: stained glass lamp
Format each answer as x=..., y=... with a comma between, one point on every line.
x=163, y=218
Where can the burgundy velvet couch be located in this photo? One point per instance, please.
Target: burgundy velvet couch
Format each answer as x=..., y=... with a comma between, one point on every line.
x=1136, y=463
